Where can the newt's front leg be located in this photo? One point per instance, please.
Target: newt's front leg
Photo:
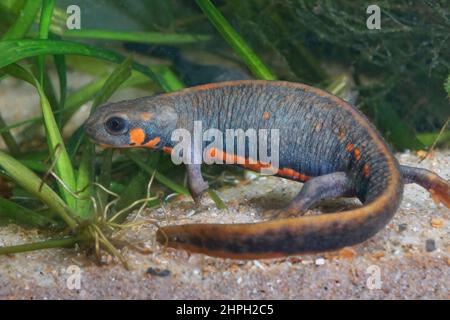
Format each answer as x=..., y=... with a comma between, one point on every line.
x=196, y=184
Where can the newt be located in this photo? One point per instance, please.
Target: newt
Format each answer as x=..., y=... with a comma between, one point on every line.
x=325, y=143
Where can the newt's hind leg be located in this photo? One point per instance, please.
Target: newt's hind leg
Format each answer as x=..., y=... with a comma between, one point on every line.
x=438, y=187
x=328, y=186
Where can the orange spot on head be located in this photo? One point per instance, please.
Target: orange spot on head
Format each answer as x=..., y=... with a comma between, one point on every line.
x=357, y=154
x=137, y=136
x=167, y=150
x=266, y=115
x=152, y=143
x=366, y=170
x=350, y=147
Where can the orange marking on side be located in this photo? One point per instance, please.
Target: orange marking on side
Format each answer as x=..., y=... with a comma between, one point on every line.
x=357, y=154
x=266, y=115
x=290, y=173
x=167, y=150
x=137, y=136
x=152, y=143
x=256, y=165
x=350, y=147
x=366, y=170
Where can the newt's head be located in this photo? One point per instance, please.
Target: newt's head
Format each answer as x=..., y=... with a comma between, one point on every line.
x=144, y=122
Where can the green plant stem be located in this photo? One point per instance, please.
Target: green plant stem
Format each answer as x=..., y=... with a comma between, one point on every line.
x=47, y=244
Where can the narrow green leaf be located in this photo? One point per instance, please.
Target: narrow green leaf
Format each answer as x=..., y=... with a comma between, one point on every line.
x=60, y=63
x=28, y=180
x=46, y=17
x=114, y=81
x=75, y=100
x=44, y=24
x=55, y=142
x=169, y=77
x=50, y=92
x=10, y=142
x=56, y=145
x=15, y=50
x=134, y=36
x=75, y=141
x=23, y=215
x=84, y=181
x=24, y=21
x=34, y=165
x=230, y=35
x=219, y=202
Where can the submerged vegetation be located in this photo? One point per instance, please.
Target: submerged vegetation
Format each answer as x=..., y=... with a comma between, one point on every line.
x=398, y=75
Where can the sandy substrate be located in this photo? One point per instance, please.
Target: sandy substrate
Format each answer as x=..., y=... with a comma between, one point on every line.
x=412, y=255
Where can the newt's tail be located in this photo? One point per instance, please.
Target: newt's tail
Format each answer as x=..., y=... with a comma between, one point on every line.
x=438, y=187
x=440, y=192
x=291, y=236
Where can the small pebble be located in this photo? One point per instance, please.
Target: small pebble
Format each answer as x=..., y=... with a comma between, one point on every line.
x=158, y=272
x=259, y=265
x=402, y=227
x=320, y=262
x=430, y=245
x=437, y=223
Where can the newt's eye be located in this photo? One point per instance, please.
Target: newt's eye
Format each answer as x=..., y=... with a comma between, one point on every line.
x=116, y=125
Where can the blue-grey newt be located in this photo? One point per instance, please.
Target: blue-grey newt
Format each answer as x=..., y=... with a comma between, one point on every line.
x=324, y=142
